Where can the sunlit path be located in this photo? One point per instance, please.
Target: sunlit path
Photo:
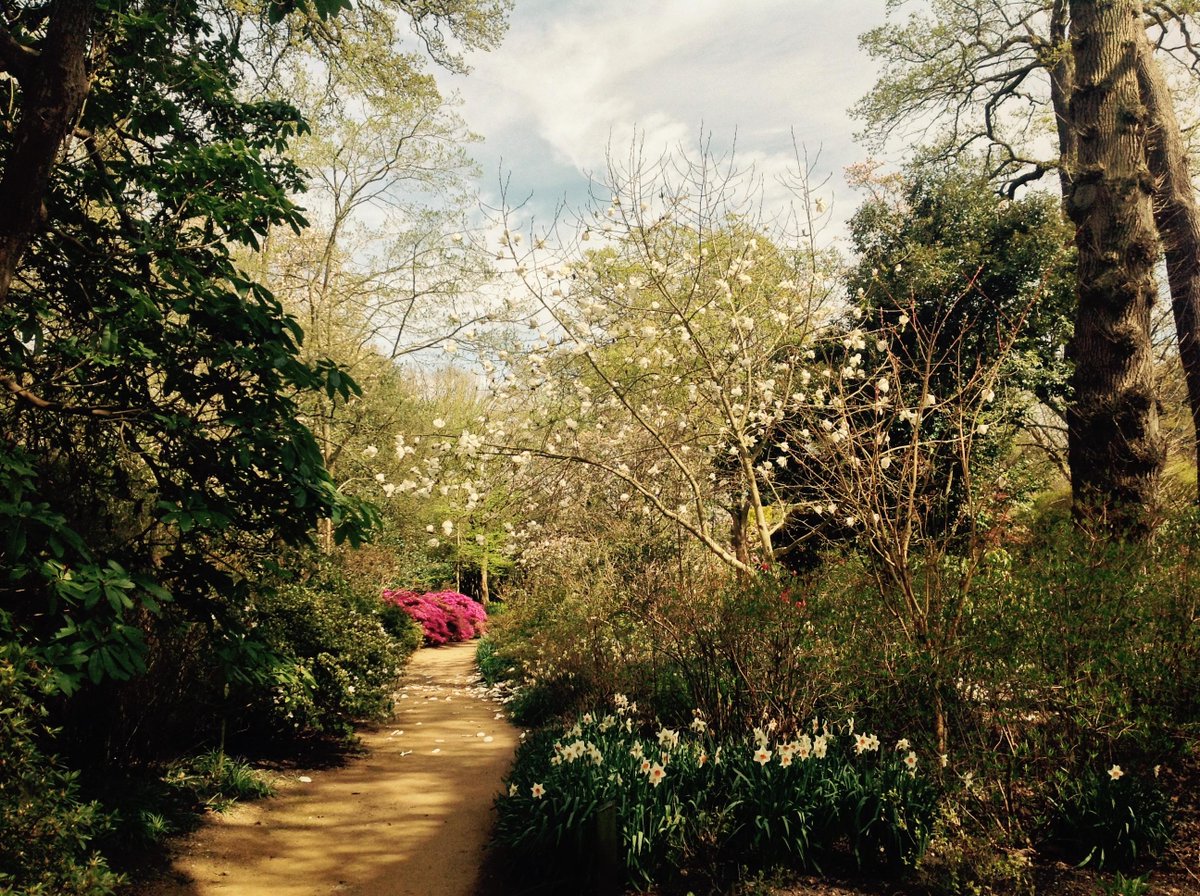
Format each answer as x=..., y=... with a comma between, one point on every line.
x=411, y=816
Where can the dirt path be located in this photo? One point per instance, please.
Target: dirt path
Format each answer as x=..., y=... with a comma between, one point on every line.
x=410, y=817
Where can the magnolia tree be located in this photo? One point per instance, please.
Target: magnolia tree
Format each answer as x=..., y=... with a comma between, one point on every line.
x=701, y=364
x=660, y=359
x=459, y=505
x=690, y=360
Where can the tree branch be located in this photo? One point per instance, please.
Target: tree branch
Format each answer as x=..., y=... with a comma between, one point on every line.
x=16, y=58
x=34, y=400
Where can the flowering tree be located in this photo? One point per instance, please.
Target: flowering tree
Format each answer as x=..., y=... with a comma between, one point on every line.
x=382, y=275
x=701, y=366
x=660, y=360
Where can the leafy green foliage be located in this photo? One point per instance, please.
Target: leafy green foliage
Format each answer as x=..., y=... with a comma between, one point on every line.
x=655, y=803
x=323, y=9
x=152, y=803
x=1120, y=885
x=46, y=830
x=946, y=244
x=218, y=780
x=968, y=295
x=332, y=657
x=157, y=433
x=493, y=668
x=1111, y=819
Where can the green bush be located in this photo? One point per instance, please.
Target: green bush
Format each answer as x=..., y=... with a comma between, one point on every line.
x=575, y=630
x=739, y=649
x=677, y=637
x=46, y=831
x=332, y=658
x=402, y=628
x=494, y=668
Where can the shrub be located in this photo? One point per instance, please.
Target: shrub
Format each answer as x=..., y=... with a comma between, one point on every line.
x=330, y=660
x=572, y=632
x=739, y=649
x=46, y=831
x=444, y=616
x=493, y=667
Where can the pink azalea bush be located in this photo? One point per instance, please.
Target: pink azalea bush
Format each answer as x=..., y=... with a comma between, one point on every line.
x=444, y=616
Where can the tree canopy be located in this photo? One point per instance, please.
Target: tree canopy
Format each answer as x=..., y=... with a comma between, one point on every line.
x=152, y=443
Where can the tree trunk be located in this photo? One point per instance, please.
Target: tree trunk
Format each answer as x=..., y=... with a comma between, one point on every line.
x=54, y=82
x=325, y=539
x=1062, y=85
x=1115, y=448
x=484, y=595
x=737, y=533
x=1178, y=220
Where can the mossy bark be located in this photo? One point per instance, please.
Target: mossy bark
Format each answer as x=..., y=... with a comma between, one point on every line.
x=1115, y=447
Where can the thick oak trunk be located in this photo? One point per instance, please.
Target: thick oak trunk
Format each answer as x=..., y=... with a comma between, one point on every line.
x=1062, y=85
x=1178, y=219
x=1115, y=449
x=54, y=82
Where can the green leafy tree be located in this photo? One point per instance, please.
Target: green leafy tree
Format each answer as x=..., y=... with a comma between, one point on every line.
x=927, y=237
x=150, y=420
x=153, y=449
x=1001, y=76
x=958, y=280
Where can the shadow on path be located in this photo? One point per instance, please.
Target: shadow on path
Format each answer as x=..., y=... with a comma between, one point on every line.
x=410, y=817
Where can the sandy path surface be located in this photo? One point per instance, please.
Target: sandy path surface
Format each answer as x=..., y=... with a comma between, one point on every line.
x=410, y=817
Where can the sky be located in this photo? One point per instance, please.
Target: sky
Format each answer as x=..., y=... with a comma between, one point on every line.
x=573, y=78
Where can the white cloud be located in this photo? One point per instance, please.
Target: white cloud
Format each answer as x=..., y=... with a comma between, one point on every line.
x=574, y=78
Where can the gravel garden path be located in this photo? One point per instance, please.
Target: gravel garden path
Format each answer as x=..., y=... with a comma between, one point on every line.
x=409, y=817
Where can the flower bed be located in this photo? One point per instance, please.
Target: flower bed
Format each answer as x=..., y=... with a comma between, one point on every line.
x=662, y=799
x=444, y=616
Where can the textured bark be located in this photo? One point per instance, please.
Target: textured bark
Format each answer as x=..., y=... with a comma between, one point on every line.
x=1062, y=85
x=54, y=82
x=1178, y=219
x=1115, y=449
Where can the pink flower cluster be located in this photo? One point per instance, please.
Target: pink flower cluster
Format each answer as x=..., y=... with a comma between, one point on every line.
x=443, y=615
